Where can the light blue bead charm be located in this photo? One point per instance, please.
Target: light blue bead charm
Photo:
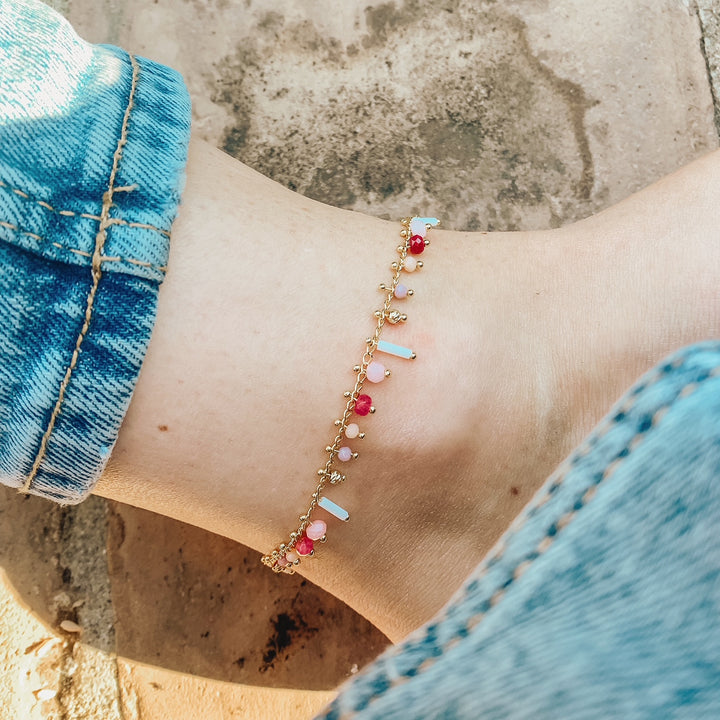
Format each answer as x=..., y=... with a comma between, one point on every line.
x=397, y=350
x=333, y=509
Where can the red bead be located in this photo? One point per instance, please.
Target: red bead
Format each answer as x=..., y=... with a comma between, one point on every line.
x=304, y=545
x=417, y=244
x=363, y=404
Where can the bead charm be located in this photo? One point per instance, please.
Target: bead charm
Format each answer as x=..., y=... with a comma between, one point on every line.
x=395, y=316
x=375, y=372
x=410, y=264
x=417, y=244
x=363, y=405
x=333, y=509
x=397, y=350
x=304, y=546
x=316, y=530
x=310, y=530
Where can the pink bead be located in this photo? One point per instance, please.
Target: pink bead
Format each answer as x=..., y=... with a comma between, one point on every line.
x=283, y=561
x=410, y=263
x=401, y=291
x=344, y=453
x=291, y=556
x=316, y=530
x=375, y=372
x=304, y=546
x=352, y=431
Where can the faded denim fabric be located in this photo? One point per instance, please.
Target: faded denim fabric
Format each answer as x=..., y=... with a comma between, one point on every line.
x=93, y=145
x=603, y=599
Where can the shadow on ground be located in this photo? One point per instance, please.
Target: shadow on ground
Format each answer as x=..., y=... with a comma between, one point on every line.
x=161, y=592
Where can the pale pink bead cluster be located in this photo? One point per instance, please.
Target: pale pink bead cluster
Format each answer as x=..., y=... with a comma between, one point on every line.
x=302, y=542
x=304, y=546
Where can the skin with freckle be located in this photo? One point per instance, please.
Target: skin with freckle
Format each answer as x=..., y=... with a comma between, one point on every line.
x=516, y=361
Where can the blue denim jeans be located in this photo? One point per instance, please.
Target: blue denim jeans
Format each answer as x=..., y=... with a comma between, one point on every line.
x=93, y=145
x=603, y=598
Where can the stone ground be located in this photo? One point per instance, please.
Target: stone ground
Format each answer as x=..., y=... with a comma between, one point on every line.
x=513, y=115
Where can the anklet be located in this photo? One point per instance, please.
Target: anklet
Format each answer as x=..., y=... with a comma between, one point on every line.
x=301, y=544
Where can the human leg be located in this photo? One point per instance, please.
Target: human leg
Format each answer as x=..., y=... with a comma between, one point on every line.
x=523, y=340
x=601, y=600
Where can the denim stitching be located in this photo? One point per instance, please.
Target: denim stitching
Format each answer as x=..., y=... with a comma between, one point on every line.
x=87, y=216
x=591, y=491
x=84, y=253
x=133, y=261
x=565, y=520
x=96, y=275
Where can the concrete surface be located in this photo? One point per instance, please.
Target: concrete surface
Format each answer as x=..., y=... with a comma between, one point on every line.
x=520, y=114
x=709, y=16
x=49, y=674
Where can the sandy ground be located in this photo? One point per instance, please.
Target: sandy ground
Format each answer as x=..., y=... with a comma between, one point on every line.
x=514, y=115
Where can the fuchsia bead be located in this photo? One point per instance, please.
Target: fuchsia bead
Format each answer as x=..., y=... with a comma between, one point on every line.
x=363, y=404
x=304, y=546
x=417, y=244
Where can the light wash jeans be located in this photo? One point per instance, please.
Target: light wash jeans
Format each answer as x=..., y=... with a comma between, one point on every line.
x=602, y=600
x=93, y=146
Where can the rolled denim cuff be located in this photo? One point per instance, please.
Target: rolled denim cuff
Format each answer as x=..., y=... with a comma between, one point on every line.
x=93, y=144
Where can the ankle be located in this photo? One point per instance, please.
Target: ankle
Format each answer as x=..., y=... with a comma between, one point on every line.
x=454, y=451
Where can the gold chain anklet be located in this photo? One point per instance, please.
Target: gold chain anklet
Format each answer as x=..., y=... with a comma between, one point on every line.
x=301, y=544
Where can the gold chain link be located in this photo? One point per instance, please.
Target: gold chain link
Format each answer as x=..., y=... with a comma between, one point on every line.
x=325, y=473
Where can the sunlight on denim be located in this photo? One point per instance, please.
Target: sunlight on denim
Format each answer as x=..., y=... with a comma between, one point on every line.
x=73, y=116
x=51, y=84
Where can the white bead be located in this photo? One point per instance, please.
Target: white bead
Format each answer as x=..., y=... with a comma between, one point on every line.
x=352, y=431
x=410, y=263
x=417, y=227
x=375, y=372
